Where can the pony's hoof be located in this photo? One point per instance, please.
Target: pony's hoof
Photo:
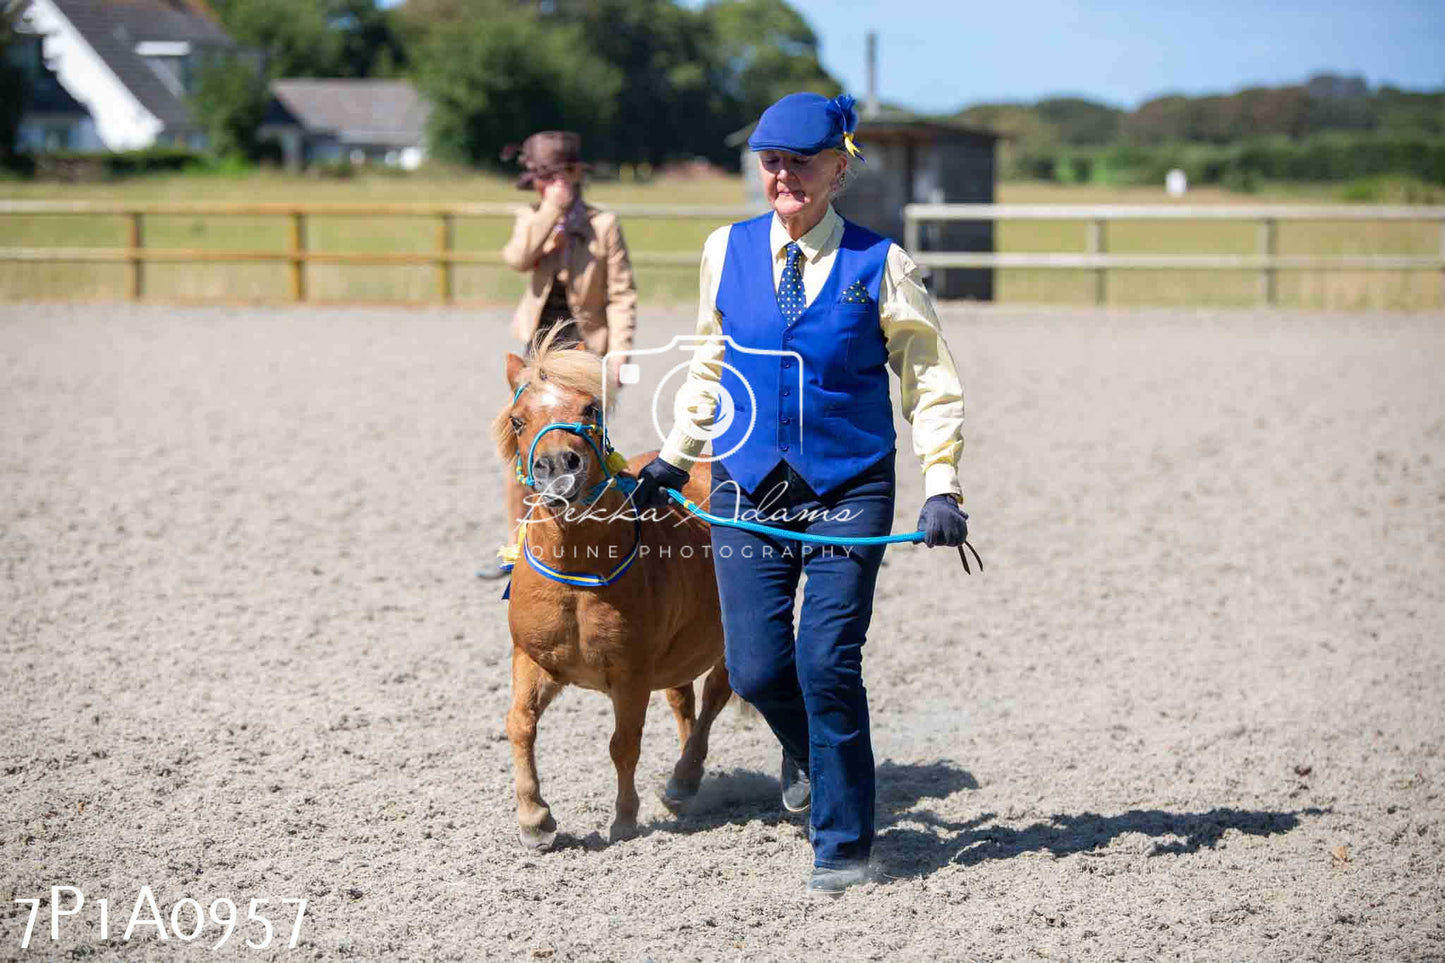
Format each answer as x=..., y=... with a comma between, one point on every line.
x=622, y=830
x=676, y=796
x=537, y=840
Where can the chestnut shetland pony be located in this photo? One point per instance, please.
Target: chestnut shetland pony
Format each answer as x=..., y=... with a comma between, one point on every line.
x=657, y=626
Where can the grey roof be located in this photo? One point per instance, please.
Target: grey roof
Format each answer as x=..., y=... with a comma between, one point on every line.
x=389, y=112
x=114, y=27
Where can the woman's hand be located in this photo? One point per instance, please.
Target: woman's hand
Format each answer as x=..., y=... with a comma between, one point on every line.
x=651, y=481
x=560, y=192
x=942, y=522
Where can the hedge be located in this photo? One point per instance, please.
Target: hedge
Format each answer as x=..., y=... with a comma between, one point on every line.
x=1323, y=157
x=67, y=166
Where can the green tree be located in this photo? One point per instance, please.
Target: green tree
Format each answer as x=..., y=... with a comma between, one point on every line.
x=1342, y=103
x=292, y=35
x=1080, y=122
x=317, y=38
x=1168, y=118
x=230, y=101
x=370, y=44
x=650, y=79
x=1030, y=143
x=493, y=80
x=668, y=102
x=765, y=49
x=1410, y=112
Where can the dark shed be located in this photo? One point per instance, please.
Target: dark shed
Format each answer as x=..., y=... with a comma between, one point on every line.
x=912, y=158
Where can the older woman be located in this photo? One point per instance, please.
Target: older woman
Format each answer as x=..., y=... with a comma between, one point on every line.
x=805, y=313
x=580, y=277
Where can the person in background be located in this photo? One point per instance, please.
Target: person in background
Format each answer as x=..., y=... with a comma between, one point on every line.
x=579, y=274
x=827, y=307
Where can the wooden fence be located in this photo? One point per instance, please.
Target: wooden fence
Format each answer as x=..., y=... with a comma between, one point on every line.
x=1267, y=262
x=298, y=254
x=445, y=257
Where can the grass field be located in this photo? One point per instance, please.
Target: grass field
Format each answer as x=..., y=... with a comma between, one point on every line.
x=1329, y=290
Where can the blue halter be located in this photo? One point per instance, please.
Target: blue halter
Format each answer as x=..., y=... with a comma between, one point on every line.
x=586, y=432
x=605, y=454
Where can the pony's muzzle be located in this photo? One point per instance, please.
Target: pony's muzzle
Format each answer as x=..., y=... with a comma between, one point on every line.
x=559, y=474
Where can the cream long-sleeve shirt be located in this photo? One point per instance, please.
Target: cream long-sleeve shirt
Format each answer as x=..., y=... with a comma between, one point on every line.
x=929, y=389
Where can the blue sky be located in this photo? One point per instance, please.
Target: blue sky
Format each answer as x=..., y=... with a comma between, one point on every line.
x=939, y=55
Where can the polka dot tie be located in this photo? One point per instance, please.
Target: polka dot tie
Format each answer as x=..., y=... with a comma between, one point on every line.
x=791, y=299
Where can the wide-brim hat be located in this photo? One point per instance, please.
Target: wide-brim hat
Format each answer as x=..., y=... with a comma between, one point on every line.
x=544, y=154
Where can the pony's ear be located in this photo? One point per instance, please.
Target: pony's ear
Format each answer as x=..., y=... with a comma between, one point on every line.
x=514, y=369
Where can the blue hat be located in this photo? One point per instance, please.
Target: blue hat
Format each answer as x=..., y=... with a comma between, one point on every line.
x=807, y=124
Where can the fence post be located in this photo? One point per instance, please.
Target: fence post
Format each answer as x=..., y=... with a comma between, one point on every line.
x=1098, y=243
x=298, y=256
x=137, y=265
x=445, y=236
x=912, y=239
x=1442, y=262
x=1268, y=246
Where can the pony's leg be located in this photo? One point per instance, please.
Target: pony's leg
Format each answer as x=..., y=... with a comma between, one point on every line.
x=629, y=709
x=532, y=689
x=682, y=702
x=687, y=774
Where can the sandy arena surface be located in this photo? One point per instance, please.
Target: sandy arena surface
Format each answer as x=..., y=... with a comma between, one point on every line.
x=1195, y=709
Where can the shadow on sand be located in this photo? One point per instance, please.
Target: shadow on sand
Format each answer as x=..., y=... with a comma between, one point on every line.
x=915, y=841
x=907, y=850
x=744, y=795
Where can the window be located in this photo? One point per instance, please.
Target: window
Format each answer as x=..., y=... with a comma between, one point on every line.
x=172, y=61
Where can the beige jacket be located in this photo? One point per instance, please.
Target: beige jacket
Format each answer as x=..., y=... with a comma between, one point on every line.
x=593, y=264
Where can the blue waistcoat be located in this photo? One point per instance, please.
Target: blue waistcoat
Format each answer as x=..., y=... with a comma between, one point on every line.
x=829, y=417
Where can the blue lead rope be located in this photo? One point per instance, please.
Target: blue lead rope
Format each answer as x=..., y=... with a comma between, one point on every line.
x=776, y=532
x=613, y=464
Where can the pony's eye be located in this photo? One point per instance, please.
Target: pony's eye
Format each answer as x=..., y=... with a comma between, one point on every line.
x=592, y=412
x=517, y=425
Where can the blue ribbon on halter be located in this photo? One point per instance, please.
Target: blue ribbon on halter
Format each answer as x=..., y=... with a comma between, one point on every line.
x=585, y=579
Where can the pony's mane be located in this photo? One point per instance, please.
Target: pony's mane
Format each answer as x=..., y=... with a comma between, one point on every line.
x=569, y=367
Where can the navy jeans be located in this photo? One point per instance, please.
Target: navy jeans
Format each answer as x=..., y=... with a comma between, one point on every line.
x=808, y=684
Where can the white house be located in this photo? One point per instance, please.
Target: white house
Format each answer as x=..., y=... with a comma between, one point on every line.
x=130, y=63
x=52, y=120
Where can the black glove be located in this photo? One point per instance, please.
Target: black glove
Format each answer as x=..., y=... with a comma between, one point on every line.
x=654, y=477
x=942, y=522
